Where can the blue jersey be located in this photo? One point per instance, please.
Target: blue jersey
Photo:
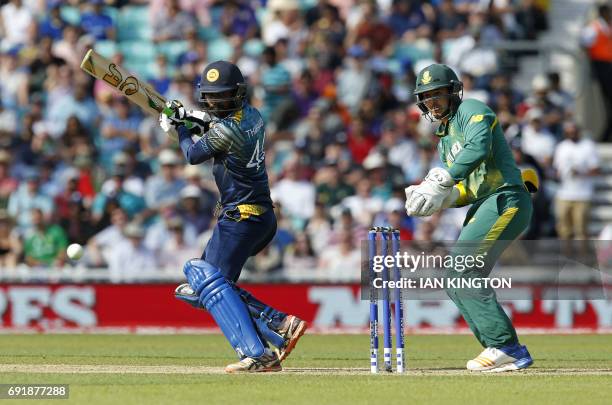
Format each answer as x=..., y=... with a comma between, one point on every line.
x=236, y=143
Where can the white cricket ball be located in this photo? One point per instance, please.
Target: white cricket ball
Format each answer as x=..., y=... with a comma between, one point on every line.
x=74, y=251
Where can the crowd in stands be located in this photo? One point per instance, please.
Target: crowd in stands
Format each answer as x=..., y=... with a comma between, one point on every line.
x=334, y=82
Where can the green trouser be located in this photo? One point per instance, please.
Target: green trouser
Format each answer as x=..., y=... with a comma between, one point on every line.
x=490, y=226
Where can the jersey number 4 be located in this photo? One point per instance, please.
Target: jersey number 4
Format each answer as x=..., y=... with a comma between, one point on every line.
x=258, y=155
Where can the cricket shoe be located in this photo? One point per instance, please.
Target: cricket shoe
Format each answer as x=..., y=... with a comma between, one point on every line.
x=292, y=329
x=509, y=358
x=269, y=362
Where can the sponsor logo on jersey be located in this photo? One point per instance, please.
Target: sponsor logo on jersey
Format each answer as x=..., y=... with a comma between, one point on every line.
x=455, y=149
x=476, y=118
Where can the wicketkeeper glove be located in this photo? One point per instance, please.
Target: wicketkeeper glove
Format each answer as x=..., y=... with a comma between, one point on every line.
x=433, y=194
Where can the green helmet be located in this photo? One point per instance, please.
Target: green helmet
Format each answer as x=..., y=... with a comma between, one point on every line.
x=438, y=76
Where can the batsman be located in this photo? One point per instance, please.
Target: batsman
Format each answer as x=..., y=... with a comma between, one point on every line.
x=479, y=169
x=231, y=132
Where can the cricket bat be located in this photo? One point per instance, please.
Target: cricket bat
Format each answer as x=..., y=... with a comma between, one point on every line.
x=136, y=90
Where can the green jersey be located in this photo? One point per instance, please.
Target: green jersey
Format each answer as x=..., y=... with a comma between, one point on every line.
x=475, y=152
x=46, y=246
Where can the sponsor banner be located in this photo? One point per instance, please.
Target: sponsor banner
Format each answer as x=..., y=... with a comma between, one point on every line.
x=335, y=307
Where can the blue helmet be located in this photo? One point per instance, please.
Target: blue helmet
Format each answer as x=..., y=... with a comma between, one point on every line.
x=222, y=88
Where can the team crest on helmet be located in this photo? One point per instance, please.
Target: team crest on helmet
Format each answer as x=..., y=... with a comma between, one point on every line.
x=212, y=75
x=426, y=77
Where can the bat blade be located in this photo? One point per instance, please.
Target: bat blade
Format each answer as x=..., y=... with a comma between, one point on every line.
x=136, y=90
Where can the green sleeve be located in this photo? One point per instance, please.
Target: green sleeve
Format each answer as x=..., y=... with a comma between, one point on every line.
x=61, y=239
x=442, y=154
x=477, y=146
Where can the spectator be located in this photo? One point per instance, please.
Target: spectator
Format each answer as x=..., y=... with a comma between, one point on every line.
x=597, y=41
x=360, y=140
x=341, y=262
x=542, y=221
x=355, y=79
x=96, y=23
x=296, y=195
x=268, y=261
x=300, y=258
x=319, y=228
x=469, y=91
x=346, y=222
x=198, y=8
x=366, y=24
x=449, y=23
x=80, y=104
x=134, y=172
x=193, y=210
x=52, y=26
x=408, y=17
x=13, y=81
x=332, y=189
x=27, y=198
x=8, y=184
x=165, y=186
x=397, y=219
x=531, y=19
x=10, y=246
x=160, y=233
x=284, y=17
x=115, y=193
x=172, y=23
x=69, y=48
x=17, y=21
x=558, y=95
x=44, y=244
x=541, y=100
x=176, y=251
x=238, y=18
x=279, y=106
x=363, y=205
x=131, y=260
x=576, y=161
x=119, y=132
x=100, y=246
x=8, y=122
x=400, y=149
x=537, y=141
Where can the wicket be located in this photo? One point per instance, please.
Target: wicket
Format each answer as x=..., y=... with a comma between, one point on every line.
x=387, y=234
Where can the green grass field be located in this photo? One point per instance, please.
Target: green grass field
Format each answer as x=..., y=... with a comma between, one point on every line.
x=323, y=369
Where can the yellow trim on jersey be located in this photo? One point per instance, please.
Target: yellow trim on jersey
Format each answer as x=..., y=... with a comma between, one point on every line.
x=238, y=116
x=463, y=196
x=496, y=230
x=246, y=210
x=501, y=224
x=494, y=123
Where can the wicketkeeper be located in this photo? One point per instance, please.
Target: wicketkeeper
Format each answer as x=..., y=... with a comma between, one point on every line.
x=479, y=170
x=232, y=134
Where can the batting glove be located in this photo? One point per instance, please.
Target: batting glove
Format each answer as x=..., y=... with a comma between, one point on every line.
x=197, y=122
x=172, y=115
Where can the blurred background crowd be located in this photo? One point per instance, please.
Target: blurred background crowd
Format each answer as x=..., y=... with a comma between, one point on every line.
x=333, y=80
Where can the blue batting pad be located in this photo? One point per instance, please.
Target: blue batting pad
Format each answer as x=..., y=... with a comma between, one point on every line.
x=225, y=306
x=264, y=329
x=262, y=323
